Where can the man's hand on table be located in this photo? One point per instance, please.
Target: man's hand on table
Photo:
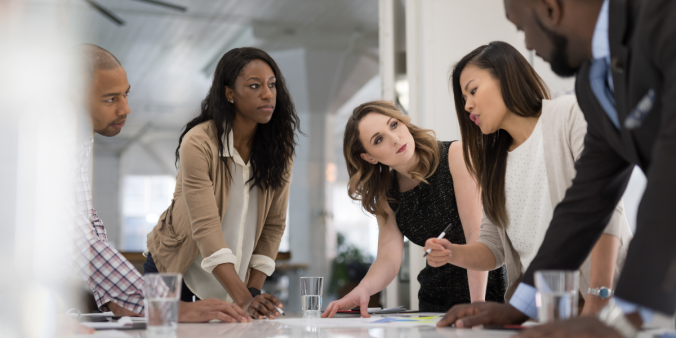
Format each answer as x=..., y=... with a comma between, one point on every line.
x=208, y=309
x=119, y=311
x=488, y=313
x=582, y=327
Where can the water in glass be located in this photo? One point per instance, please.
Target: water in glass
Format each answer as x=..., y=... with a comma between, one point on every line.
x=557, y=306
x=311, y=304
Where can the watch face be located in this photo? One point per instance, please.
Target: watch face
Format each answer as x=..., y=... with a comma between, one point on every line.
x=604, y=293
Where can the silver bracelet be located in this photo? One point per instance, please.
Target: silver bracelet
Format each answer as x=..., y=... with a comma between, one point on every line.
x=613, y=316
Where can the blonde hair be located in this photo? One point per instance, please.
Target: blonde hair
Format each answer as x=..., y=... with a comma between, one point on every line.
x=369, y=182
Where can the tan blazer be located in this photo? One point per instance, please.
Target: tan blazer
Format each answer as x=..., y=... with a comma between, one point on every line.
x=563, y=130
x=192, y=223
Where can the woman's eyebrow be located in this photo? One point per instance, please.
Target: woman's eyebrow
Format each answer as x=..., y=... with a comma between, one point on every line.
x=467, y=85
x=374, y=135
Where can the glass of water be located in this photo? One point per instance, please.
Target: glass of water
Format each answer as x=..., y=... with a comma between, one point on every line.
x=311, y=295
x=162, y=292
x=556, y=298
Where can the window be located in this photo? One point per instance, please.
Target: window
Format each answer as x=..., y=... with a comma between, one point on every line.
x=144, y=199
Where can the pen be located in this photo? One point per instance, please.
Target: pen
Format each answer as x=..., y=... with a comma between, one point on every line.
x=443, y=233
x=280, y=311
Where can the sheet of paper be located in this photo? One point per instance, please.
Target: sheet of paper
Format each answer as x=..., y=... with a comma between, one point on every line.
x=103, y=334
x=98, y=314
x=390, y=310
x=374, y=321
x=124, y=322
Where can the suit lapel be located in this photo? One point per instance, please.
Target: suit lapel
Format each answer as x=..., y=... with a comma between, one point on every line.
x=619, y=36
x=619, y=54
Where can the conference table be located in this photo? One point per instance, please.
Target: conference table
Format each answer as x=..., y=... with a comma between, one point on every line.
x=344, y=327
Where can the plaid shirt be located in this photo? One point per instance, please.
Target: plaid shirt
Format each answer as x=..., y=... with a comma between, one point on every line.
x=110, y=275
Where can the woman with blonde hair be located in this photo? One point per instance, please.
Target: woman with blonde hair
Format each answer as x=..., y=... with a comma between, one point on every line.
x=416, y=186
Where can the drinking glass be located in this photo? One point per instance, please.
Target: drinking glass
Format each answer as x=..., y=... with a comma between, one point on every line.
x=556, y=296
x=311, y=295
x=162, y=292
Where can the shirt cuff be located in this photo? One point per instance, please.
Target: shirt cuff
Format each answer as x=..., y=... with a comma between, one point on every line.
x=263, y=264
x=646, y=314
x=524, y=300
x=219, y=257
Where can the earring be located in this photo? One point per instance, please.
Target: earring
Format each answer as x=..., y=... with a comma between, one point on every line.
x=231, y=101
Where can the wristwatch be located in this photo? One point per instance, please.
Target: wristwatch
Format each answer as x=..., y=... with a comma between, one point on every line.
x=254, y=292
x=601, y=292
x=613, y=316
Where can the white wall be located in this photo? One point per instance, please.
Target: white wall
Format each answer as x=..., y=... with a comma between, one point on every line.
x=440, y=33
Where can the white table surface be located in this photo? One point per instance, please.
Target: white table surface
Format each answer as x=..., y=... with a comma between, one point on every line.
x=294, y=326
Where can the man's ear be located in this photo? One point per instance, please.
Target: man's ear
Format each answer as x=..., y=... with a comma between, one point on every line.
x=368, y=158
x=550, y=12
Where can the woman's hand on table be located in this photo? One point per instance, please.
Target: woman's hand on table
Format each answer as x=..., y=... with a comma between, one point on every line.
x=441, y=252
x=358, y=297
x=208, y=309
x=263, y=306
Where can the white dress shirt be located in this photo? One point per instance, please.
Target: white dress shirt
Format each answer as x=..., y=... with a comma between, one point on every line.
x=239, y=229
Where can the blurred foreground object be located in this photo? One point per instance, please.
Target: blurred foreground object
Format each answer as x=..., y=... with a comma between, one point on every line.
x=38, y=123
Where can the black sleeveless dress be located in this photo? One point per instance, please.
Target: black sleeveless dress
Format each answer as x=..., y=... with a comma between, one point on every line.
x=424, y=212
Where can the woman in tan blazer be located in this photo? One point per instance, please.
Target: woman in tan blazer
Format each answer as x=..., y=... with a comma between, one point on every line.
x=223, y=227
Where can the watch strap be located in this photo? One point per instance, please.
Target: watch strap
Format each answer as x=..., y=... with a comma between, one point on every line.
x=254, y=292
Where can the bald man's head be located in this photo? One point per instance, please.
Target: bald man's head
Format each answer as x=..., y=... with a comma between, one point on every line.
x=97, y=58
x=107, y=88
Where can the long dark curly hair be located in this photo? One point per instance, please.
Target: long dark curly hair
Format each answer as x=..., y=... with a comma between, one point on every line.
x=274, y=143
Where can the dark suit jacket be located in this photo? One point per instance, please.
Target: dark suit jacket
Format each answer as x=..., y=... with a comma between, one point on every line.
x=643, y=54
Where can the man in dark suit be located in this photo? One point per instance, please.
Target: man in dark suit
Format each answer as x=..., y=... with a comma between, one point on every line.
x=624, y=55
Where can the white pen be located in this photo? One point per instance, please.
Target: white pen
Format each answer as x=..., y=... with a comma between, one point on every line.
x=280, y=311
x=443, y=233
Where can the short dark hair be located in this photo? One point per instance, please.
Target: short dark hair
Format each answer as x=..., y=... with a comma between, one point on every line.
x=97, y=58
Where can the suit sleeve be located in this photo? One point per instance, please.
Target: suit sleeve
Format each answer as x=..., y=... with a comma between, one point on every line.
x=577, y=127
x=649, y=274
x=580, y=219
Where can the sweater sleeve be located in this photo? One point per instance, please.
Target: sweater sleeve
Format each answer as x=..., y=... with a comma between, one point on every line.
x=489, y=236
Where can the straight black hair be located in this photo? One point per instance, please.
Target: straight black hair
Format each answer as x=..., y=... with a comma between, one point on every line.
x=522, y=92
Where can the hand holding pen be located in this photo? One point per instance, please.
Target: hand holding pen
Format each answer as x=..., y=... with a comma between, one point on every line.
x=438, y=250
